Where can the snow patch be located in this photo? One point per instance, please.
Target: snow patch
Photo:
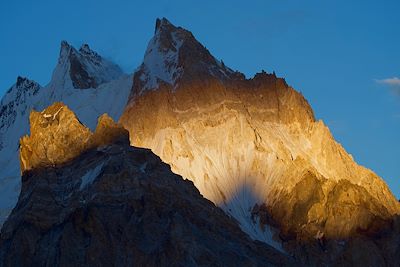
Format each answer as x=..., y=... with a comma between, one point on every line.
x=90, y=176
x=161, y=65
x=142, y=168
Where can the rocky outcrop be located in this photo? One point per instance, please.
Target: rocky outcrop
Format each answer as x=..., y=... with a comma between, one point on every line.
x=105, y=203
x=57, y=137
x=251, y=143
x=76, y=69
x=108, y=132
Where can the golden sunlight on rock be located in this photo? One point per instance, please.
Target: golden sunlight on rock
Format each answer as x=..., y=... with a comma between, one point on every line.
x=57, y=136
x=250, y=143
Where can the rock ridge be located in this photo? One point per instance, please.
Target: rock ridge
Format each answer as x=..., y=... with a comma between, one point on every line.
x=115, y=205
x=57, y=136
x=251, y=143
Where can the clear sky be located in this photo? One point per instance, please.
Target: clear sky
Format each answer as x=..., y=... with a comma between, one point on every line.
x=344, y=56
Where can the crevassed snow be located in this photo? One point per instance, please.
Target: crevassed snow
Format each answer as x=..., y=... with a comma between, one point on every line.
x=90, y=176
x=88, y=104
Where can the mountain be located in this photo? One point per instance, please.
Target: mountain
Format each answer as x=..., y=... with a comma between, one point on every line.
x=90, y=84
x=254, y=148
x=90, y=199
x=83, y=68
x=16, y=98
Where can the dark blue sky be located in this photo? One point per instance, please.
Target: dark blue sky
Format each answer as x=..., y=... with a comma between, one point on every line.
x=334, y=53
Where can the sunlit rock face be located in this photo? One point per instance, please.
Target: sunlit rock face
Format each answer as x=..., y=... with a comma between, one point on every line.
x=105, y=203
x=57, y=136
x=250, y=143
x=82, y=79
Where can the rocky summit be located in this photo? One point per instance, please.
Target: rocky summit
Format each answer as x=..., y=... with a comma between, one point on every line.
x=90, y=199
x=267, y=183
x=254, y=148
x=57, y=136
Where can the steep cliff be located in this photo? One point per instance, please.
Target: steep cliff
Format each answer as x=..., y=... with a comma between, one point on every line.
x=252, y=146
x=104, y=203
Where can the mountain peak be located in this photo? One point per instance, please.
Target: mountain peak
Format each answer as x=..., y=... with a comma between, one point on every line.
x=23, y=82
x=19, y=91
x=83, y=68
x=86, y=51
x=65, y=50
x=58, y=136
x=64, y=44
x=16, y=101
x=163, y=23
x=246, y=142
x=172, y=53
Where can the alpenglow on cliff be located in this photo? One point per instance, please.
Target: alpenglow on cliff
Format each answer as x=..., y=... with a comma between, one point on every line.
x=251, y=146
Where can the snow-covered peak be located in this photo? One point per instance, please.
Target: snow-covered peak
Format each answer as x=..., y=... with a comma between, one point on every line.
x=83, y=68
x=85, y=50
x=15, y=102
x=172, y=52
x=22, y=88
x=74, y=68
x=160, y=62
x=65, y=50
x=161, y=23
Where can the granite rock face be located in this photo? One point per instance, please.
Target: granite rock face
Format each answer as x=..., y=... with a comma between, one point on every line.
x=57, y=136
x=105, y=203
x=254, y=142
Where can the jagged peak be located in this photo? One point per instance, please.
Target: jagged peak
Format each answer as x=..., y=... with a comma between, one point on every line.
x=20, y=81
x=86, y=51
x=23, y=82
x=172, y=52
x=162, y=24
x=57, y=136
x=65, y=50
x=65, y=44
x=83, y=68
x=108, y=132
x=169, y=37
x=20, y=89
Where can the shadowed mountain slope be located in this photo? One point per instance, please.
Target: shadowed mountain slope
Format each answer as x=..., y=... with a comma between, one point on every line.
x=104, y=203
